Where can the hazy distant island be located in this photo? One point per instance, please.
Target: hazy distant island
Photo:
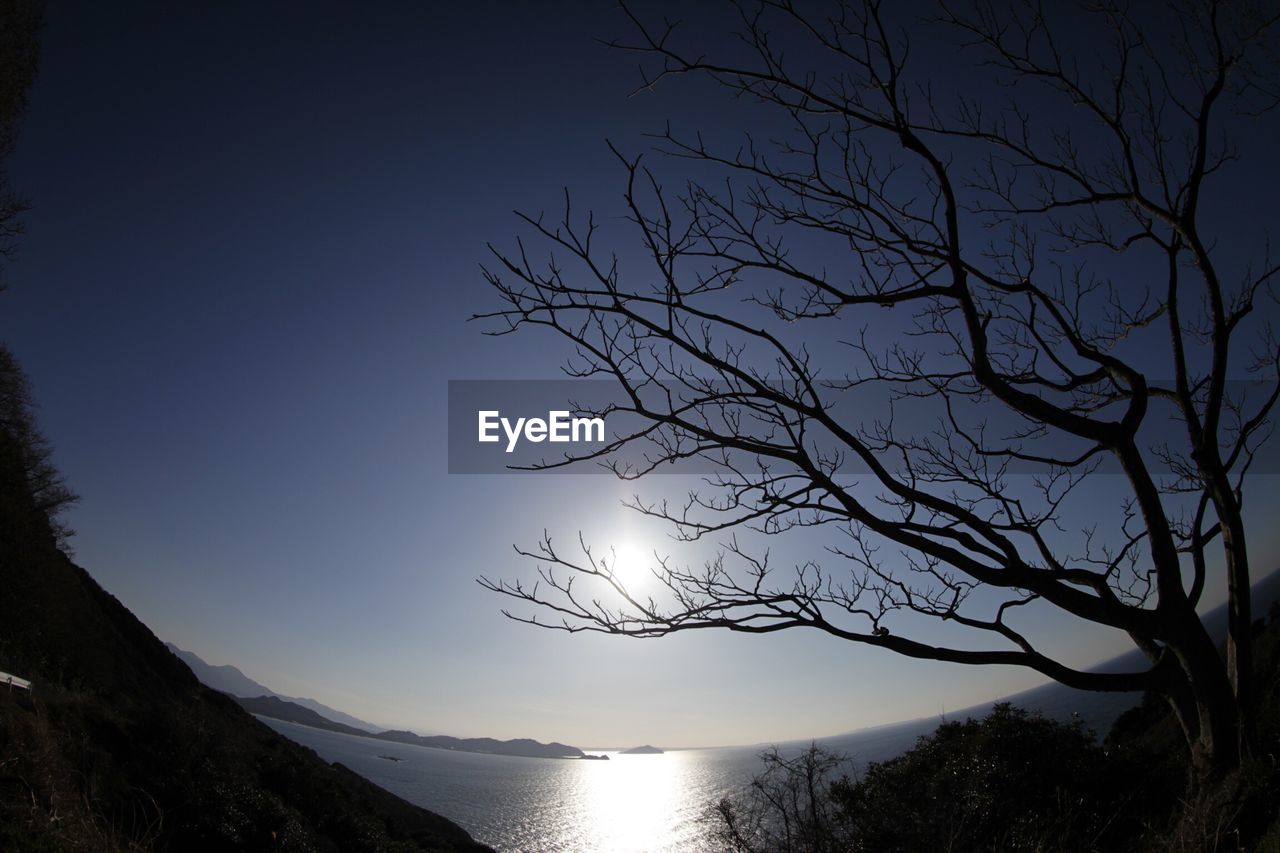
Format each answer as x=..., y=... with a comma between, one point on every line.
x=291, y=712
x=642, y=750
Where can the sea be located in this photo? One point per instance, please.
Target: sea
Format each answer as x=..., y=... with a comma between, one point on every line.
x=647, y=803
x=656, y=803
x=643, y=803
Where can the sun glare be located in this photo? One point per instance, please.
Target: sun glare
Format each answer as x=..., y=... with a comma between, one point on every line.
x=631, y=564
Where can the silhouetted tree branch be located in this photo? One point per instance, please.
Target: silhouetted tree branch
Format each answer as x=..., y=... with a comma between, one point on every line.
x=1042, y=249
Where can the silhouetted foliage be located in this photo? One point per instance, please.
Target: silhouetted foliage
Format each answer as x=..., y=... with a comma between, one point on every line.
x=19, y=55
x=1018, y=781
x=788, y=807
x=1011, y=781
x=49, y=493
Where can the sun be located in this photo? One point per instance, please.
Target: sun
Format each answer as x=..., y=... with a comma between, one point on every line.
x=631, y=564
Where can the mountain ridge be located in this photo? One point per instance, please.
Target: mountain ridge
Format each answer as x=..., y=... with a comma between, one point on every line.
x=229, y=679
x=279, y=709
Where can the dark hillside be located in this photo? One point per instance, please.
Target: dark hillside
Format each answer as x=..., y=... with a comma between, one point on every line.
x=278, y=709
x=119, y=747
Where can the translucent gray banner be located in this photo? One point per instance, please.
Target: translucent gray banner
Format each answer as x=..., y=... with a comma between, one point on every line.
x=582, y=426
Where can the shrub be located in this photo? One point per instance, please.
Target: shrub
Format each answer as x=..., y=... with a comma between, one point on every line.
x=1011, y=781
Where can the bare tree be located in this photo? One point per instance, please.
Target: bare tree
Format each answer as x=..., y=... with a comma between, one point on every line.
x=1039, y=242
x=49, y=493
x=788, y=807
x=20, y=23
x=19, y=48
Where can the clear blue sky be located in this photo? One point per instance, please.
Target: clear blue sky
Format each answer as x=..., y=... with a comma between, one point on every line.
x=254, y=246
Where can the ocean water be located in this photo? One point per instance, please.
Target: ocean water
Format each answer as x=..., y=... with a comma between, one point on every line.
x=647, y=803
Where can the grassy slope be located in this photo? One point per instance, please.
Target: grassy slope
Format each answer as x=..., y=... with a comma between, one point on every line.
x=120, y=747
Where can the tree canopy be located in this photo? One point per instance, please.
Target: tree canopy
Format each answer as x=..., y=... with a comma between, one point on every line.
x=1010, y=241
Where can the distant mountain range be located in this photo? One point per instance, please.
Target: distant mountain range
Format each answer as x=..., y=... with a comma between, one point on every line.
x=519, y=746
x=260, y=699
x=229, y=679
x=280, y=709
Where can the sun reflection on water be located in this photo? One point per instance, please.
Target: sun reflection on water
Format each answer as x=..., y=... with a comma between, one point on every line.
x=651, y=803
x=633, y=800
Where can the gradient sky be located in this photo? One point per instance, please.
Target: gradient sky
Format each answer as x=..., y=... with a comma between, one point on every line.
x=254, y=246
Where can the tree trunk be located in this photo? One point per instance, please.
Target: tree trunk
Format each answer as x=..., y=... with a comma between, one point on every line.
x=1239, y=591
x=1205, y=703
x=1239, y=626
